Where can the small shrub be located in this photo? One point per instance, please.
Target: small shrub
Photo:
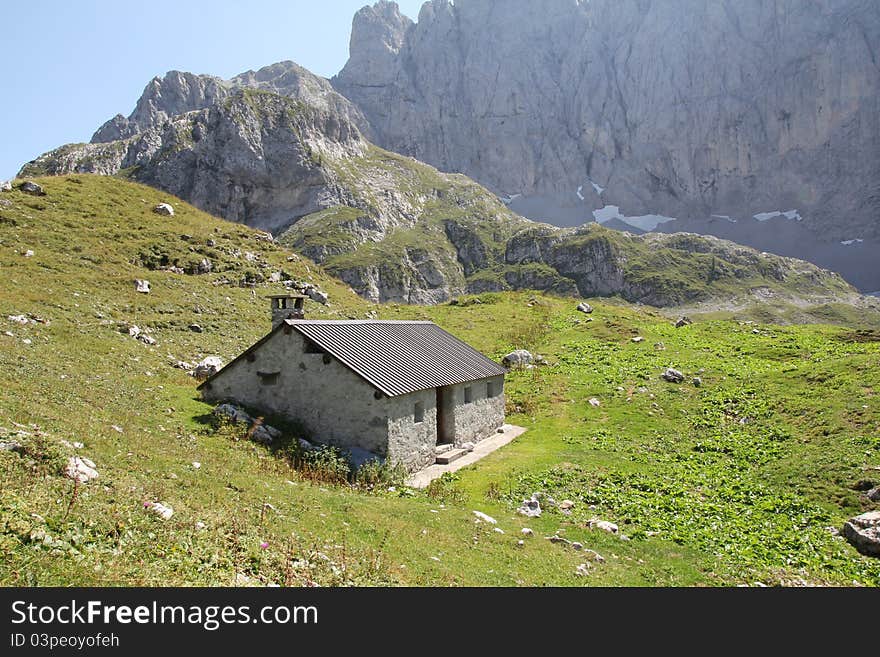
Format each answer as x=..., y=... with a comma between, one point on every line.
x=445, y=489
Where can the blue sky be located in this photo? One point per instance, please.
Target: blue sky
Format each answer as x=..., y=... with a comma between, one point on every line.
x=69, y=65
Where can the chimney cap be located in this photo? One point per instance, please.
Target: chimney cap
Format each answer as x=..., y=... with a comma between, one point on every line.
x=286, y=296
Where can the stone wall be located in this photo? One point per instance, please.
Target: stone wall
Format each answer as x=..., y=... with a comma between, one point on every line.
x=333, y=404
x=412, y=443
x=475, y=420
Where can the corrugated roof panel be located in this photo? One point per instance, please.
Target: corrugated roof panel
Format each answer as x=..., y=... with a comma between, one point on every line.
x=399, y=357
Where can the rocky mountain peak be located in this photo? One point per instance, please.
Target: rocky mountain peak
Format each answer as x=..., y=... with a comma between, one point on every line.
x=377, y=34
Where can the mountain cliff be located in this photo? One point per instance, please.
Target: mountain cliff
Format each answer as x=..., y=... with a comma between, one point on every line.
x=668, y=109
x=278, y=149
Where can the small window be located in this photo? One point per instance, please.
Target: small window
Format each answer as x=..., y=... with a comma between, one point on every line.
x=419, y=412
x=268, y=378
x=468, y=394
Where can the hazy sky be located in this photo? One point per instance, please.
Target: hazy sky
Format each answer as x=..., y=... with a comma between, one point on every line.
x=69, y=65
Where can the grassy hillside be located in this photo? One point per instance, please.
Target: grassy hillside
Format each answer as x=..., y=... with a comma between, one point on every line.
x=734, y=481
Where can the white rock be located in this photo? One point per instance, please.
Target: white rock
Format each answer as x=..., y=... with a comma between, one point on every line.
x=142, y=286
x=673, y=375
x=208, y=367
x=638, y=339
x=80, y=469
x=29, y=254
x=484, y=517
x=582, y=570
x=498, y=530
x=164, y=511
x=584, y=307
x=595, y=402
x=566, y=505
x=604, y=525
x=468, y=447
x=134, y=331
x=200, y=525
x=196, y=465
x=525, y=531
x=517, y=358
x=116, y=428
x=165, y=209
x=863, y=533
x=18, y=319
x=531, y=508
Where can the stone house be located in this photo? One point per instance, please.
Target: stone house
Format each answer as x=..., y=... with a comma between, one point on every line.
x=406, y=391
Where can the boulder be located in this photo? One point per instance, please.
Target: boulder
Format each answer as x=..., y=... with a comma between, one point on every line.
x=604, y=525
x=5, y=186
x=468, y=447
x=196, y=328
x=10, y=447
x=264, y=434
x=205, y=266
x=582, y=570
x=29, y=187
x=142, y=286
x=584, y=307
x=316, y=295
x=80, y=469
x=164, y=511
x=673, y=375
x=530, y=508
x=525, y=531
x=697, y=382
x=518, y=358
x=873, y=494
x=595, y=402
x=485, y=518
x=683, y=321
x=146, y=339
x=164, y=209
x=863, y=533
x=232, y=412
x=638, y=339
x=207, y=367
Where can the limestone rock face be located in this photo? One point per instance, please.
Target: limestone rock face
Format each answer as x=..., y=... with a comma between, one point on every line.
x=684, y=108
x=178, y=92
x=254, y=158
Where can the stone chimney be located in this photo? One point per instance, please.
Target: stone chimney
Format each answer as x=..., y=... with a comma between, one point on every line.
x=286, y=306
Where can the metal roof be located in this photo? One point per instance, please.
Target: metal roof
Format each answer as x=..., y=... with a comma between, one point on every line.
x=399, y=357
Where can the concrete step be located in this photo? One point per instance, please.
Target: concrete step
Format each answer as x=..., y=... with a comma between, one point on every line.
x=450, y=456
x=443, y=447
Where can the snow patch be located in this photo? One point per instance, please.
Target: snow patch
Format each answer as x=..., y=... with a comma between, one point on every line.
x=644, y=222
x=851, y=242
x=581, y=196
x=788, y=214
x=724, y=216
x=507, y=200
x=599, y=189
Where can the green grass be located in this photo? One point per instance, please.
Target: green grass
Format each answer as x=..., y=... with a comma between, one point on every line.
x=731, y=482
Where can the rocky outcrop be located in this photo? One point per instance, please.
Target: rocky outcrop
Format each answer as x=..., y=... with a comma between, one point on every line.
x=684, y=108
x=254, y=158
x=178, y=92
